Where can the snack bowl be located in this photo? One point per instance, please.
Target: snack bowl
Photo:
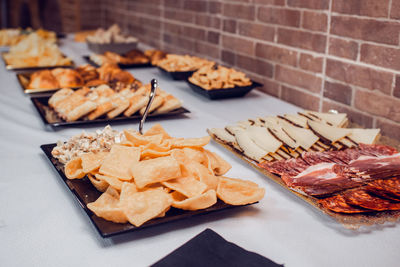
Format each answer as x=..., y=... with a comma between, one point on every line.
x=237, y=91
x=119, y=48
x=177, y=75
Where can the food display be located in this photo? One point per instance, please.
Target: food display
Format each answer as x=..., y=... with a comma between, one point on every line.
x=173, y=63
x=143, y=177
x=339, y=170
x=10, y=37
x=133, y=57
x=111, y=35
x=155, y=55
x=85, y=75
x=92, y=103
x=35, y=51
x=211, y=77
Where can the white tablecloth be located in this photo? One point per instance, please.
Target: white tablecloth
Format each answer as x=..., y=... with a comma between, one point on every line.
x=41, y=224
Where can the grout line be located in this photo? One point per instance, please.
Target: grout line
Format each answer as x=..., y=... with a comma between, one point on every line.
x=389, y=8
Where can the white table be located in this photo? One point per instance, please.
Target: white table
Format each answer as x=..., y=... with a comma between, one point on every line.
x=41, y=224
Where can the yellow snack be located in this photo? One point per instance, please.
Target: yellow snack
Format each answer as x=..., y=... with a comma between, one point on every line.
x=217, y=164
x=119, y=161
x=73, y=169
x=112, y=181
x=187, y=186
x=92, y=161
x=100, y=185
x=238, y=192
x=190, y=142
x=202, y=201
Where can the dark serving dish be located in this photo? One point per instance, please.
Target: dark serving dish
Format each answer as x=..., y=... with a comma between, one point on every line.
x=177, y=75
x=24, y=78
x=122, y=66
x=10, y=67
x=237, y=91
x=85, y=193
x=49, y=116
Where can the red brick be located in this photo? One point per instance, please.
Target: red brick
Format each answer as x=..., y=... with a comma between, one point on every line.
x=287, y=17
x=370, y=8
x=175, y=14
x=353, y=115
x=254, y=65
x=315, y=21
x=396, y=89
x=214, y=7
x=172, y=28
x=366, y=29
x=255, y=30
x=312, y=4
x=228, y=57
x=311, y=63
x=299, y=98
x=270, y=2
x=378, y=104
x=338, y=92
x=276, y=54
x=213, y=37
x=310, y=41
x=298, y=78
x=229, y=25
x=173, y=3
x=192, y=32
x=395, y=10
x=238, y=44
x=179, y=41
x=381, y=56
x=195, y=5
x=206, y=49
x=270, y=87
x=360, y=76
x=389, y=128
x=343, y=48
x=238, y=11
x=207, y=21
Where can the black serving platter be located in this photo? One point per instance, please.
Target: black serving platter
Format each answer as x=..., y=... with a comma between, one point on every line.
x=122, y=66
x=84, y=192
x=177, y=75
x=49, y=116
x=237, y=91
x=24, y=78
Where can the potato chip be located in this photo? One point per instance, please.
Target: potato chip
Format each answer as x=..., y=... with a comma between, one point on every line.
x=202, y=201
x=195, y=154
x=157, y=129
x=127, y=189
x=176, y=196
x=100, y=185
x=238, y=192
x=155, y=170
x=107, y=207
x=203, y=174
x=112, y=181
x=137, y=139
x=73, y=169
x=217, y=164
x=190, y=142
x=139, y=207
x=92, y=161
x=119, y=161
x=187, y=186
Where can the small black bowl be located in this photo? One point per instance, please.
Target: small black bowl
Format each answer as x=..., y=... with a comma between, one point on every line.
x=177, y=75
x=237, y=91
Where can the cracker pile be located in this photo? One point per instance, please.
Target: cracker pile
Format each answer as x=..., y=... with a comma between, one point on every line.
x=174, y=63
x=112, y=35
x=218, y=77
x=143, y=176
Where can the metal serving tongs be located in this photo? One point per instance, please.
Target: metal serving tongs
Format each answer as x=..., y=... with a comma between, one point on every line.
x=154, y=85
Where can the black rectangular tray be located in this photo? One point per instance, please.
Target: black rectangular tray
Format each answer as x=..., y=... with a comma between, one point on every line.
x=9, y=67
x=237, y=91
x=122, y=66
x=177, y=75
x=49, y=117
x=24, y=77
x=84, y=192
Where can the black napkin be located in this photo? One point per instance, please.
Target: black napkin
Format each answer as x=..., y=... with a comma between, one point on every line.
x=210, y=249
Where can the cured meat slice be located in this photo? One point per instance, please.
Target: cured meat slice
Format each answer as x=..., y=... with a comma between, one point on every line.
x=338, y=204
x=389, y=187
x=362, y=198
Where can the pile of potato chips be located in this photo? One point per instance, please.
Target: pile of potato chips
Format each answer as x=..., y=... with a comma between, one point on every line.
x=35, y=51
x=218, y=77
x=145, y=175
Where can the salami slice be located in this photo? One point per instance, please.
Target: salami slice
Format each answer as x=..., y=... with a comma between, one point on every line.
x=338, y=204
x=390, y=187
x=361, y=198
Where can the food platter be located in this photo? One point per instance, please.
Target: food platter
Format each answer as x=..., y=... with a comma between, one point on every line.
x=237, y=91
x=349, y=221
x=23, y=80
x=10, y=67
x=122, y=66
x=176, y=75
x=49, y=117
x=84, y=193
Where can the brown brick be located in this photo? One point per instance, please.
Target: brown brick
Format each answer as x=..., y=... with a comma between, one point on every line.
x=370, y=8
x=338, y=92
x=207, y=21
x=396, y=89
x=173, y=3
x=311, y=63
x=213, y=37
x=254, y=65
x=255, y=30
x=299, y=98
x=343, y=48
x=378, y=104
x=179, y=41
x=310, y=41
x=287, y=17
x=172, y=28
x=298, y=78
x=276, y=54
x=270, y=87
x=192, y=32
x=360, y=76
x=389, y=128
x=175, y=14
x=315, y=21
x=239, y=11
x=229, y=25
x=270, y=2
x=352, y=114
x=395, y=10
x=312, y=4
x=207, y=49
x=228, y=57
x=238, y=44
x=214, y=7
x=366, y=29
x=381, y=56
x=195, y=5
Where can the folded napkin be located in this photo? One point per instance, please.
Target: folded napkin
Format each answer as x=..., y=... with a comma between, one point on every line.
x=210, y=249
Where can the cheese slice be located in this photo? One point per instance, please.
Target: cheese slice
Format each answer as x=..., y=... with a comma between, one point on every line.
x=339, y=119
x=263, y=138
x=277, y=130
x=331, y=133
x=250, y=149
x=304, y=137
x=365, y=136
x=297, y=119
x=223, y=135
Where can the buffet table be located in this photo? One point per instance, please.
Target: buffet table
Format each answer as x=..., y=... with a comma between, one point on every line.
x=41, y=224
